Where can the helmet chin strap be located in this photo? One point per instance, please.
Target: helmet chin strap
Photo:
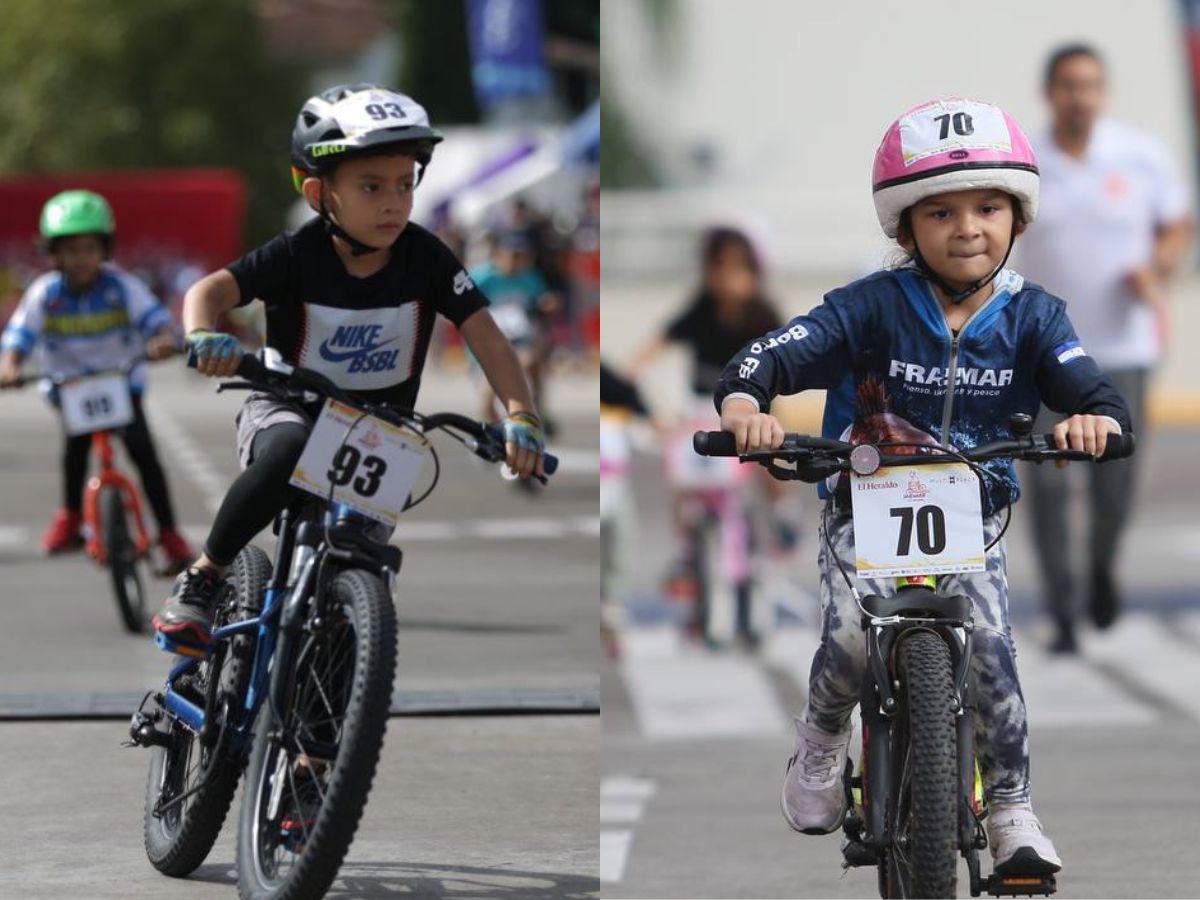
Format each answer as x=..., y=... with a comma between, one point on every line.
x=333, y=229
x=957, y=297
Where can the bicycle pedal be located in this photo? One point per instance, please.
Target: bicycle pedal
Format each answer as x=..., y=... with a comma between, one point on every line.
x=169, y=645
x=1020, y=885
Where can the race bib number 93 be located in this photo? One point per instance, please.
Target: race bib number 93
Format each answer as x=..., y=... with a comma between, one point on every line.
x=373, y=471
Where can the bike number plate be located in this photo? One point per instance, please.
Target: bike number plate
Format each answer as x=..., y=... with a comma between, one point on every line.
x=95, y=403
x=919, y=520
x=372, y=471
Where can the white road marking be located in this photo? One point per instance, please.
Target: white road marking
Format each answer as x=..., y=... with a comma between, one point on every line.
x=13, y=535
x=698, y=695
x=1146, y=654
x=614, y=852
x=406, y=532
x=791, y=650
x=184, y=451
x=1064, y=691
x=623, y=799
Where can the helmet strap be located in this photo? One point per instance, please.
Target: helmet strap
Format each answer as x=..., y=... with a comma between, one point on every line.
x=333, y=229
x=958, y=296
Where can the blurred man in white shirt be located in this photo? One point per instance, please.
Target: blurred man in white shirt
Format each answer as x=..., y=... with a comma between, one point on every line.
x=1113, y=225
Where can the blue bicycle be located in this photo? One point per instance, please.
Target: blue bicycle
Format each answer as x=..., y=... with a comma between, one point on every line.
x=297, y=689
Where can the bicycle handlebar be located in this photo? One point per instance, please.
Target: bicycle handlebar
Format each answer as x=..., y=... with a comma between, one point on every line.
x=298, y=379
x=834, y=454
x=58, y=379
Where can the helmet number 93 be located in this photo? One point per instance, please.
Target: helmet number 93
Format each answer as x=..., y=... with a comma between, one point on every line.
x=381, y=111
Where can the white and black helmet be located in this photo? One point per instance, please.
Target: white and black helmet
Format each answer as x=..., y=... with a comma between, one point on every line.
x=355, y=120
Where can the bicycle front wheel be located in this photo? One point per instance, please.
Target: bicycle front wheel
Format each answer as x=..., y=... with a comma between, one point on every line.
x=313, y=761
x=122, y=560
x=923, y=858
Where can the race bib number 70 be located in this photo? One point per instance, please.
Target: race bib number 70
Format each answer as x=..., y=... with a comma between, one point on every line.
x=917, y=520
x=373, y=471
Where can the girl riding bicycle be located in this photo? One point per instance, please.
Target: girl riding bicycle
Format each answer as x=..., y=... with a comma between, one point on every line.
x=730, y=307
x=90, y=315
x=351, y=294
x=942, y=349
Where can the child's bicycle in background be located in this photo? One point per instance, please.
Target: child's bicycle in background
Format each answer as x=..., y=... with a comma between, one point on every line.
x=297, y=687
x=916, y=802
x=100, y=404
x=713, y=575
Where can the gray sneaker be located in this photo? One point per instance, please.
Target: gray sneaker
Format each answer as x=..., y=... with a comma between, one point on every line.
x=1019, y=845
x=814, y=800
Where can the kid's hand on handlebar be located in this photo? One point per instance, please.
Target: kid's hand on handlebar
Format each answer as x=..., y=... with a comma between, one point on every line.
x=213, y=353
x=1085, y=433
x=10, y=374
x=752, y=430
x=524, y=444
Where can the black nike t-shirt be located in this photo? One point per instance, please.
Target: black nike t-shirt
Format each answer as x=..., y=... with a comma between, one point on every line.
x=367, y=335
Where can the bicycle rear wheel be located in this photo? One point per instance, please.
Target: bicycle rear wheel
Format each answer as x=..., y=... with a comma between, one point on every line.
x=179, y=835
x=923, y=858
x=122, y=560
x=310, y=771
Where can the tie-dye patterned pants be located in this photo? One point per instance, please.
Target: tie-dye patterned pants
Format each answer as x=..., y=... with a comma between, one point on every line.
x=1001, y=731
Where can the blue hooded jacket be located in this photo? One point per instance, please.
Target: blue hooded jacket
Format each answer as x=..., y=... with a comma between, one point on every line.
x=1016, y=351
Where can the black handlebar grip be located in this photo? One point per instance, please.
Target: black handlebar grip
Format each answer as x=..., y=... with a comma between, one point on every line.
x=714, y=443
x=251, y=367
x=1117, y=446
x=549, y=463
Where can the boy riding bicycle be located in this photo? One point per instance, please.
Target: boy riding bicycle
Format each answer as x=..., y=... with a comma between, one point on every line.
x=351, y=294
x=942, y=350
x=90, y=315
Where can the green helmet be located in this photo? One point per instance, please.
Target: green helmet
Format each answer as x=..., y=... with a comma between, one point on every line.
x=76, y=212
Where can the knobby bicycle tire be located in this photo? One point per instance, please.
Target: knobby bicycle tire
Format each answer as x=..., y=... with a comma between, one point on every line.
x=930, y=816
x=177, y=844
x=367, y=606
x=122, y=560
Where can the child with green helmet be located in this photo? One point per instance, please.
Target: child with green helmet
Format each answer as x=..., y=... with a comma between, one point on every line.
x=90, y=315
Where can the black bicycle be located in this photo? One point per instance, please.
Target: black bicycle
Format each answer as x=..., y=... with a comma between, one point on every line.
x=915, y=803
x=298, y=687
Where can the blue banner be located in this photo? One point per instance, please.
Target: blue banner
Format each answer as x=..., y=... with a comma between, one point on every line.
x=507, y=61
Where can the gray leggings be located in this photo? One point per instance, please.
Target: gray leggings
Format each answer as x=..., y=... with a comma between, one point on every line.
x=1001, y=730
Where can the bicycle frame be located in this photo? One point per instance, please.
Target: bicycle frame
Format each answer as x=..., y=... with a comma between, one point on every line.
x=110, y=476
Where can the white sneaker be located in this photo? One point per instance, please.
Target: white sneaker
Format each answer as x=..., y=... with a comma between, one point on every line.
x=1019, y=845
x=814, y=800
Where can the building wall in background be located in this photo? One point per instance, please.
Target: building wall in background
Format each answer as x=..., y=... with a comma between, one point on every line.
x=773, y=109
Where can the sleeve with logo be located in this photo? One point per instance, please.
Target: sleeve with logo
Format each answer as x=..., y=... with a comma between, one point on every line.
x=1068, y=380
x=455, y=295
x=25, y=325
x=262, y=274
x=812, y=351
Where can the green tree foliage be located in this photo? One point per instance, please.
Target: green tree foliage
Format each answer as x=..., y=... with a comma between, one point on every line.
x=95, y=84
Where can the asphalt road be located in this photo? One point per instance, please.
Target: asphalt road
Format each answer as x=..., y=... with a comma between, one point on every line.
x=696, y=742
x=497, y=599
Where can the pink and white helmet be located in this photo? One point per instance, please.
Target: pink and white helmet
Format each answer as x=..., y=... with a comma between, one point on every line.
x=952, y=145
